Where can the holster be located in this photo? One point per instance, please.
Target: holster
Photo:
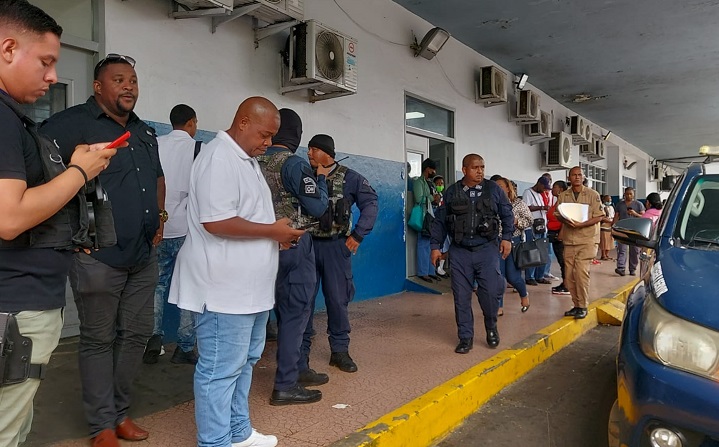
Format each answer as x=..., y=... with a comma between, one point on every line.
x=15, y=354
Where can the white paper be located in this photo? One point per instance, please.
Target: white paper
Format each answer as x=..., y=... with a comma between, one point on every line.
x=578, y=212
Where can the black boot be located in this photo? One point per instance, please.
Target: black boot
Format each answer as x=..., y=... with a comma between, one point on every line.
x=296, y=395
x=492, y=338
x=310, y=377
x=343, y=361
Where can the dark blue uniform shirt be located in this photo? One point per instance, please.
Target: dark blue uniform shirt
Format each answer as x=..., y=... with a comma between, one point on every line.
x=130, y=180
x=299, y=180
x=504, y=211
x=359, y=192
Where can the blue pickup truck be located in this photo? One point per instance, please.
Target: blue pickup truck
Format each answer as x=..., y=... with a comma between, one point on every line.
x=668, y=361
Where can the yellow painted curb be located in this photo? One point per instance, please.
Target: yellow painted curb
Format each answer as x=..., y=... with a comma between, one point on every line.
x=435, y=413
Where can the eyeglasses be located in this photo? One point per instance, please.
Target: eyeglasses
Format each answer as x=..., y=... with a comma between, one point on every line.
x=113, y=57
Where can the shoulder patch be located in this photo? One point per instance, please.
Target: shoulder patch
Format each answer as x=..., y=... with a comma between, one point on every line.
x=309, y=186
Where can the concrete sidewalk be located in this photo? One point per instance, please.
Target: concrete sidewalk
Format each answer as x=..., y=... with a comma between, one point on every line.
x=404, y=347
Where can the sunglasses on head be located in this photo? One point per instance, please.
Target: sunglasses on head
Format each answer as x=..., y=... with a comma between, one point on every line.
x=117, y=57
x=113, y=57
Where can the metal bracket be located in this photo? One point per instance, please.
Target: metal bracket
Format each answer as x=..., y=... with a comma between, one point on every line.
x=236, y=13
x=533, y=141
x=494, y=103
x=269, y=30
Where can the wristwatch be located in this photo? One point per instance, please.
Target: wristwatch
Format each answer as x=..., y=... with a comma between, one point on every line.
x=164, y=216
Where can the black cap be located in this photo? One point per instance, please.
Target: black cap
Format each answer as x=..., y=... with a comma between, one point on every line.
x=324, y=143
x=290, y=132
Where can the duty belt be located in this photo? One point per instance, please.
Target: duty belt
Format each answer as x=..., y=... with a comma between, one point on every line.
x=473, y=248
x=334, y=237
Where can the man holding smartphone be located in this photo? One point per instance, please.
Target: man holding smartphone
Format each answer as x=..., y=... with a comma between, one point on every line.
x=36, y=244
x=300, y=196
x=114, y=287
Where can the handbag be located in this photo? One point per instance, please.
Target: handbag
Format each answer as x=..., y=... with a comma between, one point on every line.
x=428, y=220
x=416, y=218
x=531, y=253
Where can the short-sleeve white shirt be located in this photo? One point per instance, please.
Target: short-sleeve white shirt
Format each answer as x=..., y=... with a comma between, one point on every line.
x=226, y=275
x=177, y=150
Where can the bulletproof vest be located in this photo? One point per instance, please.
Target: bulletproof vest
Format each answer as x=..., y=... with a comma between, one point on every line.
x=467, y=220
x=69, y=227
x=285, y=204
x=337, y=219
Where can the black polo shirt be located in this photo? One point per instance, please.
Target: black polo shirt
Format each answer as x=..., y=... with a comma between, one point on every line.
x=32, y=278
x=130, y=180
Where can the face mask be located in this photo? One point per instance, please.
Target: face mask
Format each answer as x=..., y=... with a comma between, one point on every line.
x=607, y=203
x=439, y=188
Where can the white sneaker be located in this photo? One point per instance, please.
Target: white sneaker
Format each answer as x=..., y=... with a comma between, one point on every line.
x=552, y=277
x=257, y=439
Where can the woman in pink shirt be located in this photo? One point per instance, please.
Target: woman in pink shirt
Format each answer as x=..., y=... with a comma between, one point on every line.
x=654, y=208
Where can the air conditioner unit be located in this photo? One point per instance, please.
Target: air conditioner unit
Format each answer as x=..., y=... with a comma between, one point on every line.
x=541, y=129
x=558, y=152
x=273, y=11
x=528, y=105
x=321, y=59
x=668, y=182
x=491, y=87
x=599, y=148
x=580, y=129
x=586, y=149
x=655, y=172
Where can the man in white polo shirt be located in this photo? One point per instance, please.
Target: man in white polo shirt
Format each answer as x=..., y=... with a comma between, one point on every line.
x=225, y=272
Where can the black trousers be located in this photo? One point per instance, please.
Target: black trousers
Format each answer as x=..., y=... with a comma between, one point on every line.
x=115, y=306
x=294, y=296
x=558, y=247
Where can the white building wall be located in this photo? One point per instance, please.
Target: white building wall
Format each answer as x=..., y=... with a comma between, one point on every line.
x=182, y=61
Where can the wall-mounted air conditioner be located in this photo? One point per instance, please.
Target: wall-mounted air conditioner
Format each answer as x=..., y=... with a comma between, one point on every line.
x=321, y=59
x=580, y=130
x=558, y=152
x=491, y=88
x=586, y=149
x=599, y=149
x=668, y=182
x=527, y=106
x=273, y=11
x=541, y=129
x=655, y=172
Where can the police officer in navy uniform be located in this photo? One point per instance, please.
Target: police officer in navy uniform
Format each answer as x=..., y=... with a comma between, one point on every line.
x=474, y=212
x=300, y=196
x=335, y=241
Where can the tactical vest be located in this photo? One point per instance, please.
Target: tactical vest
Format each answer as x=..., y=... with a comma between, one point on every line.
x=68, y=228
x=285, y=204
x=466, y=220
x=337, y=219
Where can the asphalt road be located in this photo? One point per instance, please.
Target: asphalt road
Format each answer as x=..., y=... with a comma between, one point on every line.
x=565, y=402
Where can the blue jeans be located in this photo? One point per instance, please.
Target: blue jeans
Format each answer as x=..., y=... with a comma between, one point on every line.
x=548, y=266
x=229, y=346
x=166, y=257
x=424, y=264
x=512, y=274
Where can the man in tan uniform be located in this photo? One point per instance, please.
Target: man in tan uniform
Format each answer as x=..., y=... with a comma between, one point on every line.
x=580, y=241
